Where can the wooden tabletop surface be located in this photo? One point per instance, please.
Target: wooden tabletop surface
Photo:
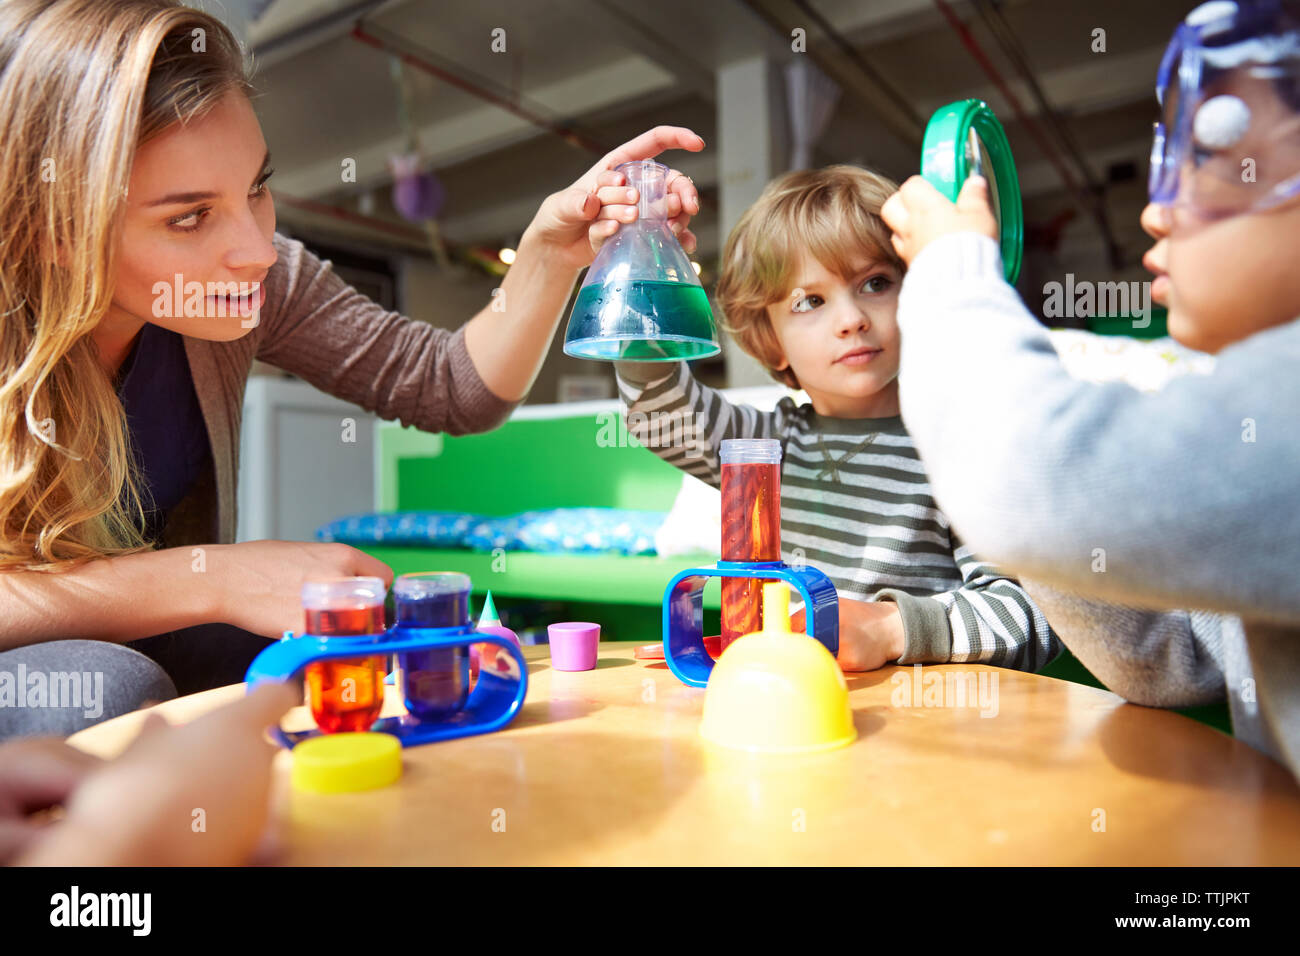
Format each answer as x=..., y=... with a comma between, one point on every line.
x=606, y=767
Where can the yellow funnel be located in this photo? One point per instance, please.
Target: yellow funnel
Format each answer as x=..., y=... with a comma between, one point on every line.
x=775, y=691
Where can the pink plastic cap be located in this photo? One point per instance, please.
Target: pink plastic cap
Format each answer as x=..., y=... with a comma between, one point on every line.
x=573, y=645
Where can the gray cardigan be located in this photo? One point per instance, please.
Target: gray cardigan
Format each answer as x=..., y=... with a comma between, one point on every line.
x=316, y=326
x=1184, y=498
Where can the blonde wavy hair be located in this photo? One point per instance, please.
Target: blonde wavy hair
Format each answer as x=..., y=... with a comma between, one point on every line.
x=831, y=214
x=82, y=84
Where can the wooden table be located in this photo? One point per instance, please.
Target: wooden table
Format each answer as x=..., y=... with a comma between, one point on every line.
x=606, y=767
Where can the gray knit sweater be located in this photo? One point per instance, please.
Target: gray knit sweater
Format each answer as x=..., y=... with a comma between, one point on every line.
x=1183, y=498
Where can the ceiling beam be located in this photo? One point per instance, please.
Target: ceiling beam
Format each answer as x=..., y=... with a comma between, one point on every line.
x=485, y=129
x=1040, y=178
x=640, y=34
x=1102, y=83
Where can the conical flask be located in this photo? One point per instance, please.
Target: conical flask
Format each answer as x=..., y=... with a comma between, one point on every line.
x=641, y=300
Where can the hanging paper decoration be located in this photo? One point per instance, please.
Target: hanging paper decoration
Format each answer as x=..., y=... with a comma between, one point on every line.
x=811, y=96
x=417, y=195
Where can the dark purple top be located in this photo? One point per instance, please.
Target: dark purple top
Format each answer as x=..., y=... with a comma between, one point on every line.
x=168, y=435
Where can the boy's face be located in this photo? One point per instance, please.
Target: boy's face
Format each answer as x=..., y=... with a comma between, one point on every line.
x=1224, y=280
x=839, y=335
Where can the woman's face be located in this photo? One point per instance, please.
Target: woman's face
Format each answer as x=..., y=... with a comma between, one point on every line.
x=199, y=209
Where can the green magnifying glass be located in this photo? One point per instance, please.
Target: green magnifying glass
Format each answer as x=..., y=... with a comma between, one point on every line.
x=965, y=139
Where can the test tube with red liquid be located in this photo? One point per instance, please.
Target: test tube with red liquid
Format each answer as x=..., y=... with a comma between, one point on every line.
x=434, y=682
x=751, y=527
x=346, y=694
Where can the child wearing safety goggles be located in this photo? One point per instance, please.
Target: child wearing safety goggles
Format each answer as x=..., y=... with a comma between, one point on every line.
x=1191, y=495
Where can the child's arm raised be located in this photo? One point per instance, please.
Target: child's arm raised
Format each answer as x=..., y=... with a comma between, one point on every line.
x=684, y=422
x=1183, y=497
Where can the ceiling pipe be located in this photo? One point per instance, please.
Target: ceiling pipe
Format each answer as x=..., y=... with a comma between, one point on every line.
x=643, y=36
x=1088, y=203
x=1006, y=38
x=312, y=33
x=981, y=58
x=356, y=218
x=420, y=59
x=1001, y=31
x=857, y=59
x=380, y=39
x=888, y=105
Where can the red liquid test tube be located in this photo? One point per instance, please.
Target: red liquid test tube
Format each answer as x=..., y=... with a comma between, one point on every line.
x=345, y=694
x=751, y=527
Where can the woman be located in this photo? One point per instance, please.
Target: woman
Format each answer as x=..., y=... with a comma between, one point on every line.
x=135, y=165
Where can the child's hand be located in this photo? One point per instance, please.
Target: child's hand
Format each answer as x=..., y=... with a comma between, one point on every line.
x=193, y=795
x=575, y=222
x=919, y=214
x=36, y=773
x=871, y=633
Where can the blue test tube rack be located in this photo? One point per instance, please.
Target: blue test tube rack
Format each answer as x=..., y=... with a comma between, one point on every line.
x=684, y=649
x=493, y=703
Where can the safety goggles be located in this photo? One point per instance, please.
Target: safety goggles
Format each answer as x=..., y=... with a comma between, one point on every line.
x=1229, y=89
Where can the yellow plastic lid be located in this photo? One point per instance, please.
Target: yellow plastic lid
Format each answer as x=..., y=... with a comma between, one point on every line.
x=343, y=763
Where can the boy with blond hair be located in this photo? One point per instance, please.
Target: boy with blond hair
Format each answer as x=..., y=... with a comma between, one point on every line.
x=809, y=287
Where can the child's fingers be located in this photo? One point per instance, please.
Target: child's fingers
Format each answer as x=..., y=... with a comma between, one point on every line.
x=974, y=195
x=899, y=246
x=918, y=195
x=894, y=213
x=154, y=724
x=611, y=177
x=45, y=749
x=244, y=719
x=15, y=837
x=265, y=704
x=41, y=773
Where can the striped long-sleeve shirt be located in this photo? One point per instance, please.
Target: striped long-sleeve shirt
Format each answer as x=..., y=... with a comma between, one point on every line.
x=856, y=504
